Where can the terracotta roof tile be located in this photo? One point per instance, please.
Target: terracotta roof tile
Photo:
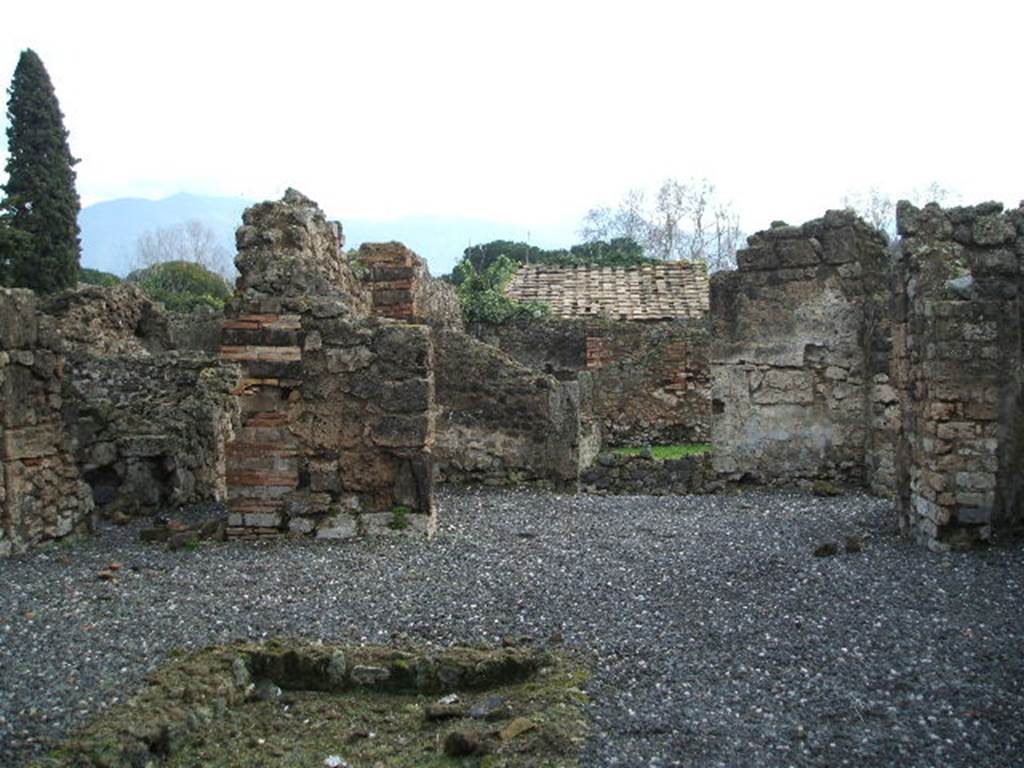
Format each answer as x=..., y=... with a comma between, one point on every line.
x=664, y=291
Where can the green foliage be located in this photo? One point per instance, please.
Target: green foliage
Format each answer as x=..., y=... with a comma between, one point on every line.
x=40, y=199
x=399, y=518
x=666, y=452
x=182, y=286
x=96, y=277
x=482, y=293
x=14, y=247
x=618, y=252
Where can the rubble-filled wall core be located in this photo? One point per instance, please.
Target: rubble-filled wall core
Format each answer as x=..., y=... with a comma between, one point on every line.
x=650, y=380
x=801, y=382
x=958, y=353
x=640, y=333
x=337, y=407
x=502, y=423
x=42, y=495
x=150, y=430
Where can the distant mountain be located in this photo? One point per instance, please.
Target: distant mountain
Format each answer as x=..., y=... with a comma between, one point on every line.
x=110, y=229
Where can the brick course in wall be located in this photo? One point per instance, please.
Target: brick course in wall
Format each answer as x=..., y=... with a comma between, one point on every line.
x=337, y=416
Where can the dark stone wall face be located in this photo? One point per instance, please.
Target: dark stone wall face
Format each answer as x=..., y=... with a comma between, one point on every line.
x=802, y=387
x=501, y=423
x=150, y=431
x=337, y=407
x=612, y=474
x=958, y=352
x=42, y=495
x=650, y=380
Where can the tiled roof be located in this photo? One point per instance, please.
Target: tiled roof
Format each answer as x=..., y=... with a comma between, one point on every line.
x=669, y=290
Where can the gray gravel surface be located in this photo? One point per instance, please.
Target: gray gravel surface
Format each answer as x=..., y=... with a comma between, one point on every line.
x=716, y=637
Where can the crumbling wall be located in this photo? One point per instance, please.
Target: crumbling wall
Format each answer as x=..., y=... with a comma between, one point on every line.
x=401, y=287
x=650, y=380
x=110, y=320
x=42, y=495
x=337, y=407
x=802, y=387
x=501, y=423
x=958, y=353
x=150, y=430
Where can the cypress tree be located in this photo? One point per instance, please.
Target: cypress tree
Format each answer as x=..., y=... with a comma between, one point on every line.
x=41, y=201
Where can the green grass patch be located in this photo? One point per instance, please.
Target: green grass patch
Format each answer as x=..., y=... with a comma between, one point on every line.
x=665, y=452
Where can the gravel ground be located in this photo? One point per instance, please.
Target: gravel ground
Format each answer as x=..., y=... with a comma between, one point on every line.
x=716, y=637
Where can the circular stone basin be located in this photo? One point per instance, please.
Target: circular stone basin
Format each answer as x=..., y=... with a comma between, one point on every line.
x=285, y=703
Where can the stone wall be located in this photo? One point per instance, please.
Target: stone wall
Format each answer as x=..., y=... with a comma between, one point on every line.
x=110, y=320
x=644, y=475
x=651, y=380
x=958, y=352
x=337, y=407
x=42, y=495
x=401, y=287
x=151, y=429
x=502, y=423
x=802, y=388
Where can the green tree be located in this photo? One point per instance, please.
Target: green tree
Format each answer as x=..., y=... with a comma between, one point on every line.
x=13, y=245
x=182, y=286
x=40, y=198
x=482, y=293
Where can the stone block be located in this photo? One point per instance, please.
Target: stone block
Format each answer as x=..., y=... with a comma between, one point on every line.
x=340, y=526
x=993, y=229
x=30, y=442
x=348, y=359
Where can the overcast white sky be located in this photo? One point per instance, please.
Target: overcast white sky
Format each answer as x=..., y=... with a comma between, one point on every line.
x=533, y=112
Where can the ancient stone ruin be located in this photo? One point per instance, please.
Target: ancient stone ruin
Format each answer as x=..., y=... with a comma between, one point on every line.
x=338, y=389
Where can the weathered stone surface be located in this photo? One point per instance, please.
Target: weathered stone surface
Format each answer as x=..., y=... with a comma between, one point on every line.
x=500, y=422
x=957, y=364
x=649, y=382
x=42, y=495
x=337, y=406
x=799, y=333
x=401, y=287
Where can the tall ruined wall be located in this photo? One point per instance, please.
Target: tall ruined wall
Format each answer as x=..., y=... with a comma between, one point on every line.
x=650, y=380
x=500, y=422
x=337, y=407
x=958, y=352
x=401, y=287
x=802, y=386
x=42, y=495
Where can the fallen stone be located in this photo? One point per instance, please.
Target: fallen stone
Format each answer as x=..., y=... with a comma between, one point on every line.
x=462, y=743
x=490, y=708
x=517, y=727
x=827, y=549
x=364, y=675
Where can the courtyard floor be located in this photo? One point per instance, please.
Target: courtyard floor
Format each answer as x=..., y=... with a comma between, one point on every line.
x=715, y=636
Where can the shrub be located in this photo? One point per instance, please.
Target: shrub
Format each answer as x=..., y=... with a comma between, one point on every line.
x=182, y=286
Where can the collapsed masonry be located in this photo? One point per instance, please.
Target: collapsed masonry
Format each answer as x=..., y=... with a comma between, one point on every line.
x=344, y=385
x=358, y=388
x=637, y=337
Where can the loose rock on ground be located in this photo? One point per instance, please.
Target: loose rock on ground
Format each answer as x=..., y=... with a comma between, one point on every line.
x=715, y=635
